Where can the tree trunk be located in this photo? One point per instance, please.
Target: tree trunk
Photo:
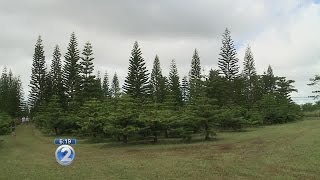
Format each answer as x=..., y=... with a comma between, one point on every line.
x=155, y=137
x=166, y=133
x=56, y=130
x=207, y=136
x=125, y=139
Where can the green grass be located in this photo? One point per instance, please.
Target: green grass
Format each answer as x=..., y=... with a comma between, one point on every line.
x=289, y=151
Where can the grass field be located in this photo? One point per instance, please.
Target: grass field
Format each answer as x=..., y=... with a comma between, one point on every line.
x=290, y=151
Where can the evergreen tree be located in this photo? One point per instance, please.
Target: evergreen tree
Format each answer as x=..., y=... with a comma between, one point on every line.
x=249, y=69
x=174, y=85
x=5, y=123
x=48, y=86
x=136, y=83
x=157, y=82
x=96, y=90
x=71, y=70
x=91, y=120
x=269, y=81
x=250, y=77
x=56, y=74
x=38, y=76
x=228, y=60
x=54, y=115
x=10, y=94
x=115, y=88
x=205, y=110
x=195, y=76
x=15, y=95
x=239, y=92
x=4, y=91
x=284, y=88
x=86, y=69
x=87, y=66
x=168, y=101
x=124, y=120
x=185, y=89
x=216, y=87
x=105, y=86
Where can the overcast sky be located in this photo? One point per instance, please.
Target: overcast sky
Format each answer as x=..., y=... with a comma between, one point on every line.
x=284, y=34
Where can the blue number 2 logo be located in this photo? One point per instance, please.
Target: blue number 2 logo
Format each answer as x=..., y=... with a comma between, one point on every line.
x=65, y=155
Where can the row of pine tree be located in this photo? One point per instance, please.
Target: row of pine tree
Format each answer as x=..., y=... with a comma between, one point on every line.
x=69, y=98
x=11, y=100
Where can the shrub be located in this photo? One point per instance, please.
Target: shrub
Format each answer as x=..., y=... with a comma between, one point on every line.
x=275, y=110
x=5, y=121
x=254, y=118
x=231, y=119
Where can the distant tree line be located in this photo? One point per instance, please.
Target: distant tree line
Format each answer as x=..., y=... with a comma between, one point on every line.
x=310, y=107
x=69, y=98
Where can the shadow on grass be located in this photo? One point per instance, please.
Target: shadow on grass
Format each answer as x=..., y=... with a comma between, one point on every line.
x=107, y=142
x=244, y=130
x=161, y=141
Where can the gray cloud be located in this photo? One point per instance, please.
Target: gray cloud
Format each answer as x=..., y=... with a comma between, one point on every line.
x=179, y=18
x=171, y=29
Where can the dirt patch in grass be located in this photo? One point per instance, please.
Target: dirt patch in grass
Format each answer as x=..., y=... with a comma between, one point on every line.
x=273, y=169
x=133, y=151
x=225, y=147
x=257, y=141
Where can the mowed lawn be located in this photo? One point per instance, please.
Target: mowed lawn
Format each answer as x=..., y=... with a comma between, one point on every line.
x=290, y=151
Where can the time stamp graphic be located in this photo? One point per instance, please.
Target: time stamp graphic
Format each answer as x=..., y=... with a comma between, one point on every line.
x=65, y=153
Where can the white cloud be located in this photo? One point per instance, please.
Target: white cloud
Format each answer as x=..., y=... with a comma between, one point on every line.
x=291, y=46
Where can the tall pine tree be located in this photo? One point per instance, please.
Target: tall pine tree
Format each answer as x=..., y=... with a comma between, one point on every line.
x=38, y=76
x=105, y=86
x=87, y=78
x=48, y=86
x=185, y=89
x=228, y=60
x=216, y=87
x=71, y=70
x=284, y=88
x=115, y=87
x=157, y=82
x=175, y=95
x=269, y=81
x=56, y=74
x=4, y=90
x=136, y=83
x=87, y=66
x=195, y=76
x=250, y=77
x=96, y=89
x=249, y=69
x=11, y=95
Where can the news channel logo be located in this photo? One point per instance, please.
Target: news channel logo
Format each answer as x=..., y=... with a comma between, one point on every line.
x=65, y=155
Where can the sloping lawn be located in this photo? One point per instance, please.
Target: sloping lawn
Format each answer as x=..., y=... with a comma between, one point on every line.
x=289, y=151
